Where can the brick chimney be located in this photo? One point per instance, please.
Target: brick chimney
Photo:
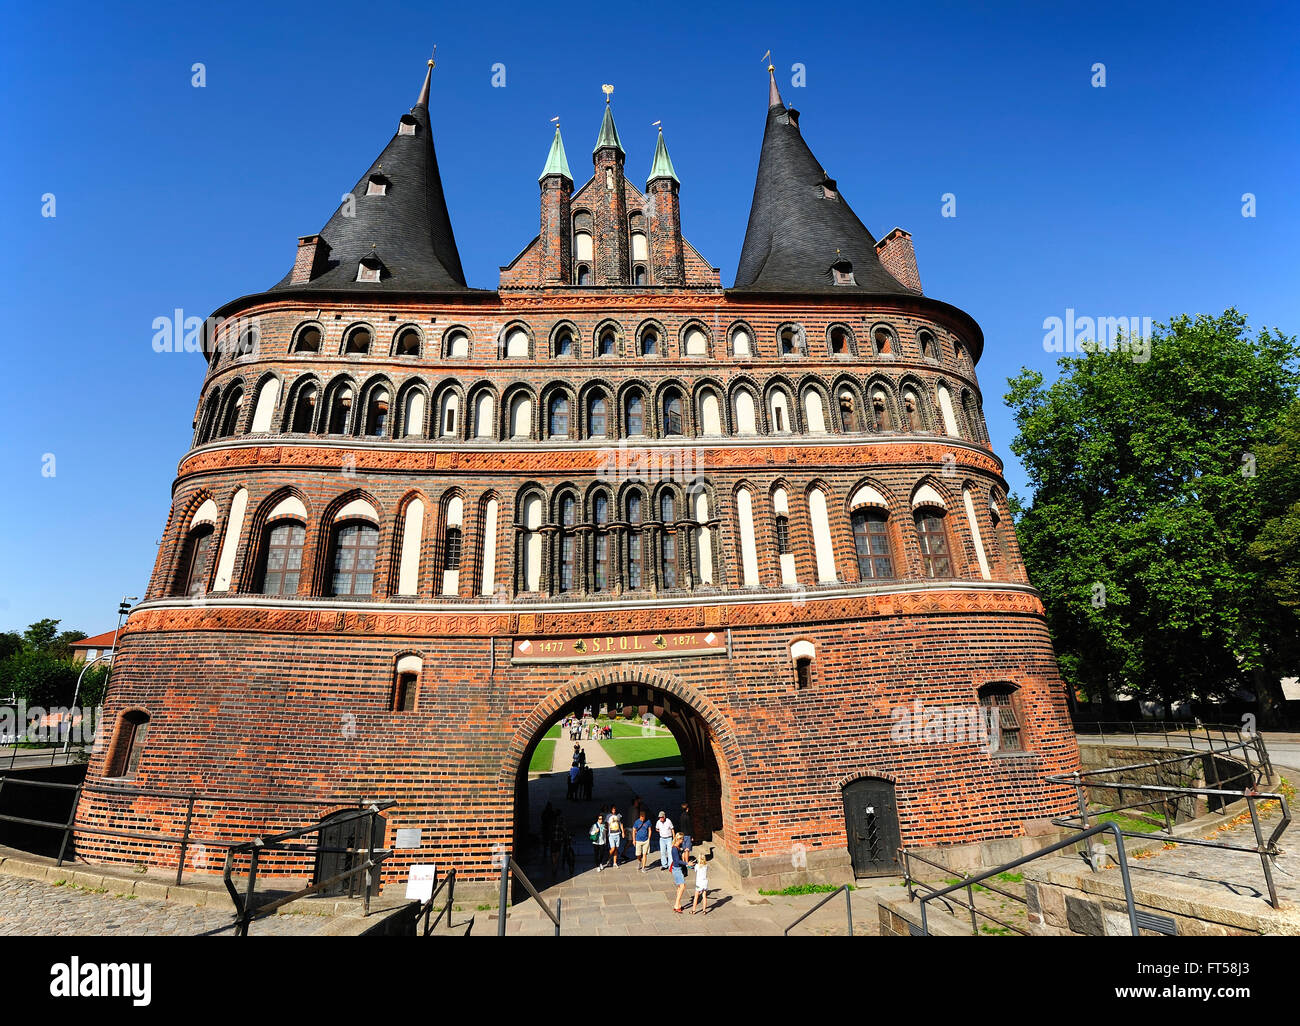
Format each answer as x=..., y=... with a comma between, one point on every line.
x=313, y=251
x=898, y=256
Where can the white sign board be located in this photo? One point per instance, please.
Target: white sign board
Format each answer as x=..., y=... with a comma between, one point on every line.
x=419, y=883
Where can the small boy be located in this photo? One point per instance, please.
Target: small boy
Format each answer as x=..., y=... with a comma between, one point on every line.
x=701, y=886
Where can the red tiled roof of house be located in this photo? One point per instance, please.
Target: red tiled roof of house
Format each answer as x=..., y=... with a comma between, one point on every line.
x=104, y=640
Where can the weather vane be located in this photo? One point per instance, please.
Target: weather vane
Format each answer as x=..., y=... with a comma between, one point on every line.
x=608, y=90
x=556, y=121
x=658, y=124
x=765, y=57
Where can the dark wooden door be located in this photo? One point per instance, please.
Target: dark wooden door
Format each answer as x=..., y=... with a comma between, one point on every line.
x=350, y=834
x=871, y=816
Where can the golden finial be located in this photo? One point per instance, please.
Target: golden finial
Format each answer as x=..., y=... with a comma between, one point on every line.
x=658, y=124
x=433, y=56
x=608, y=90
x=556, y=121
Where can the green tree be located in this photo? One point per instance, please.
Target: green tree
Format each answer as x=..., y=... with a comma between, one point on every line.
x=1141, y=516
x=1277, y=547
x=39, y=677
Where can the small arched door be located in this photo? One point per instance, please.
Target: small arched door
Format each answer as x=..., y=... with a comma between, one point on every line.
x=871, y=817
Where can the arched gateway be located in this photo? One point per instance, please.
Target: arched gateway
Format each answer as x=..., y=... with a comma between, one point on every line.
x=460, y=512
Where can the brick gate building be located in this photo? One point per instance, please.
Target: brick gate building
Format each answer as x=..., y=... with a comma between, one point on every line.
x=420, y=521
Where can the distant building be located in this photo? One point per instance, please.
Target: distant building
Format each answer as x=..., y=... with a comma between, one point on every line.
x=86, y=649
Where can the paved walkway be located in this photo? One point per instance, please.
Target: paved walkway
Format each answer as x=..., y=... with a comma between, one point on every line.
x=35, y=907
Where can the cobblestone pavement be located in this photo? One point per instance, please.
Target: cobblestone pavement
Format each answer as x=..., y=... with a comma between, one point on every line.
x=37, y=908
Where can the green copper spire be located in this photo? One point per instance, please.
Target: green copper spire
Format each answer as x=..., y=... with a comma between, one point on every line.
x=608, y=133
x=556, y=162
x=662, y=166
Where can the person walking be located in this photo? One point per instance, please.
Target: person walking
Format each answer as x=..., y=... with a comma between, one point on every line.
x=572, y=792
x=701, y=898
x=597, y=835
x=641, y=834
x=679, y=871
x=685, y=825
x=615, y=825
x=664, y=828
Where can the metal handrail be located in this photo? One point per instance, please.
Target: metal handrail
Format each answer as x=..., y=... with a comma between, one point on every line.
x=848, y=907
x=511, y=866
x=246, y=911
x=448, y=881
x=183, y=842
x=969, y=882
x=911, y=882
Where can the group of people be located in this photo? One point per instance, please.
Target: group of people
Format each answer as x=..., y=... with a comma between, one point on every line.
x=585, y=728
x=611, y=837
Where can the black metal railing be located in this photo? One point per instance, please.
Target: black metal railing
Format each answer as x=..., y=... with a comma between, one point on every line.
x=372, y=859
x=844, y=889
x=969, y=883
x=510, y=867
x=426, y=909
x=183, y=842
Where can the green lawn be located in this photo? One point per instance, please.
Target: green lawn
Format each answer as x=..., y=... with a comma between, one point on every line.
x=632, y=751
x=543, y=756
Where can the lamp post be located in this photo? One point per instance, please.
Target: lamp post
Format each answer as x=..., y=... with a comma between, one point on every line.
x=123, y=608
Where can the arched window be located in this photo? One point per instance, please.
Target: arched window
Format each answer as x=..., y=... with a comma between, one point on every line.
x=635, y=415
x=881, y=417
x=635, y=560
x=193, y=577
x=821, y=532
x=281, y=557
x=971, y=410
x=304, y=410
x=451, y=551
x=132, y=730
x=377, y=414
x=926, y=341
x=839, y=341
x=1004, y=723
x=584, y=274
x=488, y=582
x=933, y=540
x=408, y=565
x=340, y=410
x=814, y=411
x=521, y=416
x=413, y=414
x=234, y=407
x=516, y=344
x=600, y=543
x=669, y=549
x=849, y=412
x=748, y=546
x=597, y=425
x=803, y=673
x=405, y=689
x=583, y=252
x=568, y=517
x=784, y=553
x=746, y=421
x=912, y=411
x=308, y=341
x=358, y=341
x=780, y=412
x=268, y=394
x=558, y=418
x=741, y=345
x=789, y=341
x=667, y=508
x=702, y=540
x=352, y=563
x=673, y=412
x=871, y=543
x=639, y=275
x=882, y=340
x=456, y=344
x=710, y=414
x=564, y=343
x=484, y=416
x=208, y=422
x=530, y=544
x=946, y=411
x=408, y=342
x=696, y=343
x=649, y=340
x=607, y=345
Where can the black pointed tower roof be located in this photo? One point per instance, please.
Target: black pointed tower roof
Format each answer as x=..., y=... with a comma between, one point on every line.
x=799, y=224
x=408, y=224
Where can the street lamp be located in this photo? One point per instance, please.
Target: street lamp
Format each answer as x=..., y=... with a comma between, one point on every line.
x=123, y=608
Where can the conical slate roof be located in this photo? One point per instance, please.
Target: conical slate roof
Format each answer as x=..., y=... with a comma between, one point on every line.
x=662, y=165
x=556, y=161
x=608, y=133
x=409, y=224
x=796, y=230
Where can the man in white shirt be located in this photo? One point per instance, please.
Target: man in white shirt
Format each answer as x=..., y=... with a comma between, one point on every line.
x=664, y=827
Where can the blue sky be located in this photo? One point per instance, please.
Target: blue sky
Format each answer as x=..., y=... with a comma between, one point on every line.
x=1115, y=201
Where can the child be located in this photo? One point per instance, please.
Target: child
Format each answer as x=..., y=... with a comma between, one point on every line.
x=701, y=886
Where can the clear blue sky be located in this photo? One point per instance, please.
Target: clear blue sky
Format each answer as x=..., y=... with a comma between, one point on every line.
x=1122, y=201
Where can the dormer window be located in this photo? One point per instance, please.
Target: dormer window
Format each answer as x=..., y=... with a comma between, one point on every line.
x=369, y=269
x=843, y=272
x=826, y=189
x=406, y=126
x=377, y=186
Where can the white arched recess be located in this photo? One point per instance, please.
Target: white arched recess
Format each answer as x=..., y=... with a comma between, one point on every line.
x=483, y=414
x=945, y=408
x=969, y=502
x=408, y=574
x=517, y=344
x=267, y=396
x=711, y=414
x=748, y=547
x=205, y=514
x=489, y=548
x=455, y=514
x=703, y=538
x=814, y=411
x=414, y=415
x=745, y=420
x=781, y=508
x=533, y=543
x=821, y=528
x=521, y=416
x=226, y=561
